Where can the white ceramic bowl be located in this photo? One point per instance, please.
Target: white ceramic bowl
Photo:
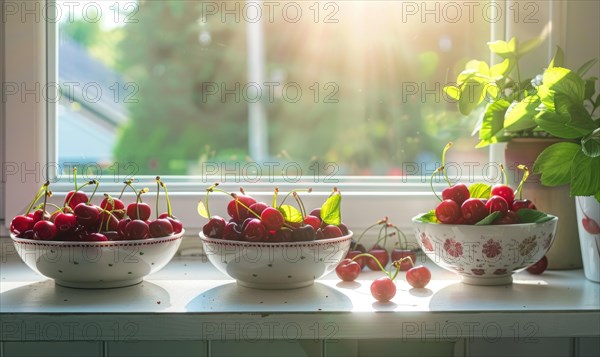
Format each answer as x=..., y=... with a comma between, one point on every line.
x=485, y=255
x=109, y=264
x=285, y=265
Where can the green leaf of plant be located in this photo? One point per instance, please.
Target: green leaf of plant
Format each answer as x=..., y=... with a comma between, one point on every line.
x=587, y=66
x=493, y=119
x=585, y=177
x=480, y=67
x=590, y=87
x=489, y=219
x=471, y=95
x=520, y=115
x=566, y=82
x=529, y=46
x=331, y=210
x=527, y=215
x=597, y=196
x=554, y=163
x=480, y=190
x=591, y=144
x=290, y=213
x=428, y=217
x=201, y=208
x=500, y=69
x=496, y=139
x=502, y=48
x=453, y=92
x=557, y=124
x=559, y=58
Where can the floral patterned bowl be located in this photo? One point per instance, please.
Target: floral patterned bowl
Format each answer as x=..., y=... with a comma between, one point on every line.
x=485, y=255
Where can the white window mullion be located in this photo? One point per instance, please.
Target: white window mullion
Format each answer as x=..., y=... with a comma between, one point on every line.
x=25, y=110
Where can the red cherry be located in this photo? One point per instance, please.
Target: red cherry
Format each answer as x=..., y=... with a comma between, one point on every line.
x=137, y=229
x=382, y=256
x=258, y=207
x=509, y=218
x=406, y=264
x=316, y=212
x=75, y=198
x=65, y=222
x=448, y=211
x=143, y=208
x=117, y=209
x=473, y=210
x=87, y=214
x=21, y=224
x=94, y=237
x=505, y=191
x=496, y=204
x=284, y=235
x=539, y=267
x=272, y=218
x=161, y=228
x=418, y=277
x=239, y=212
x=39, y=215
x=458, y=193
x=361, y=261
x=304, y=234
x=121, y=227
x=177, y=225
x=214, y=228
x=232, y=231
x=254, y=231
x=383, y=289
x=331, y=231
x=522, y=203
x=348, y=270
x=315, y=222
x=44, y=230
x=344, y=229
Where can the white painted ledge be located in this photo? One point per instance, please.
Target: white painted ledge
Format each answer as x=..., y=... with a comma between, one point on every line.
x=190, y=300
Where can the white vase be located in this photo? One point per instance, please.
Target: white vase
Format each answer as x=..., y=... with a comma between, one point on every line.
x=588, y=220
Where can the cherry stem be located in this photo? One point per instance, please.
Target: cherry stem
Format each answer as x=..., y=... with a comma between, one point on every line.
x=38, y=195
x=107, y=219
x=58, y=208
x=292, y=192
x=169, y=208
x=95, y=189
x=237, y=201
x=385, y=219
x=300, y=204
x=157, y=194
x=127, y=183
x=139, y=200
x=525, y=176
x=75, y=178
x=78, y=189
x=397, y=263
x=208, y=191
x=504, y=174
x=389, y=274
x=275, y=193
x=446, y=148
x=441, y=168
x=46, y=194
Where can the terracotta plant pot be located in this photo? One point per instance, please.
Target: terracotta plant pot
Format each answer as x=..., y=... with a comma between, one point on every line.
x=565, y=252
x=588, y=218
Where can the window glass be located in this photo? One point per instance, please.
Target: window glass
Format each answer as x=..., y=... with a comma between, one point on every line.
x=264, y=88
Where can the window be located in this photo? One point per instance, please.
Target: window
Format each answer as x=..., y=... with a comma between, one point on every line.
x=184, y=87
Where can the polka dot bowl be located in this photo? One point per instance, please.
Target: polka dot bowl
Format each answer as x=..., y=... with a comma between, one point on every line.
x=108, y=264
x=285, y=265
x=485, y=255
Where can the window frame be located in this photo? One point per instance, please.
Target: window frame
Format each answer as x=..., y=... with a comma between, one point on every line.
x=399, y=201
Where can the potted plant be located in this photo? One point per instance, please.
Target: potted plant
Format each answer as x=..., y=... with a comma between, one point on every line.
x=506, y=103
x=569, y=109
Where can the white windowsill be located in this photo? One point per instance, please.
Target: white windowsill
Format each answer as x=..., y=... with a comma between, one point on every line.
x=190, y=300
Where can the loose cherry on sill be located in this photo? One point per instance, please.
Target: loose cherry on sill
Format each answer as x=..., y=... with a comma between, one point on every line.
x=539, y=267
